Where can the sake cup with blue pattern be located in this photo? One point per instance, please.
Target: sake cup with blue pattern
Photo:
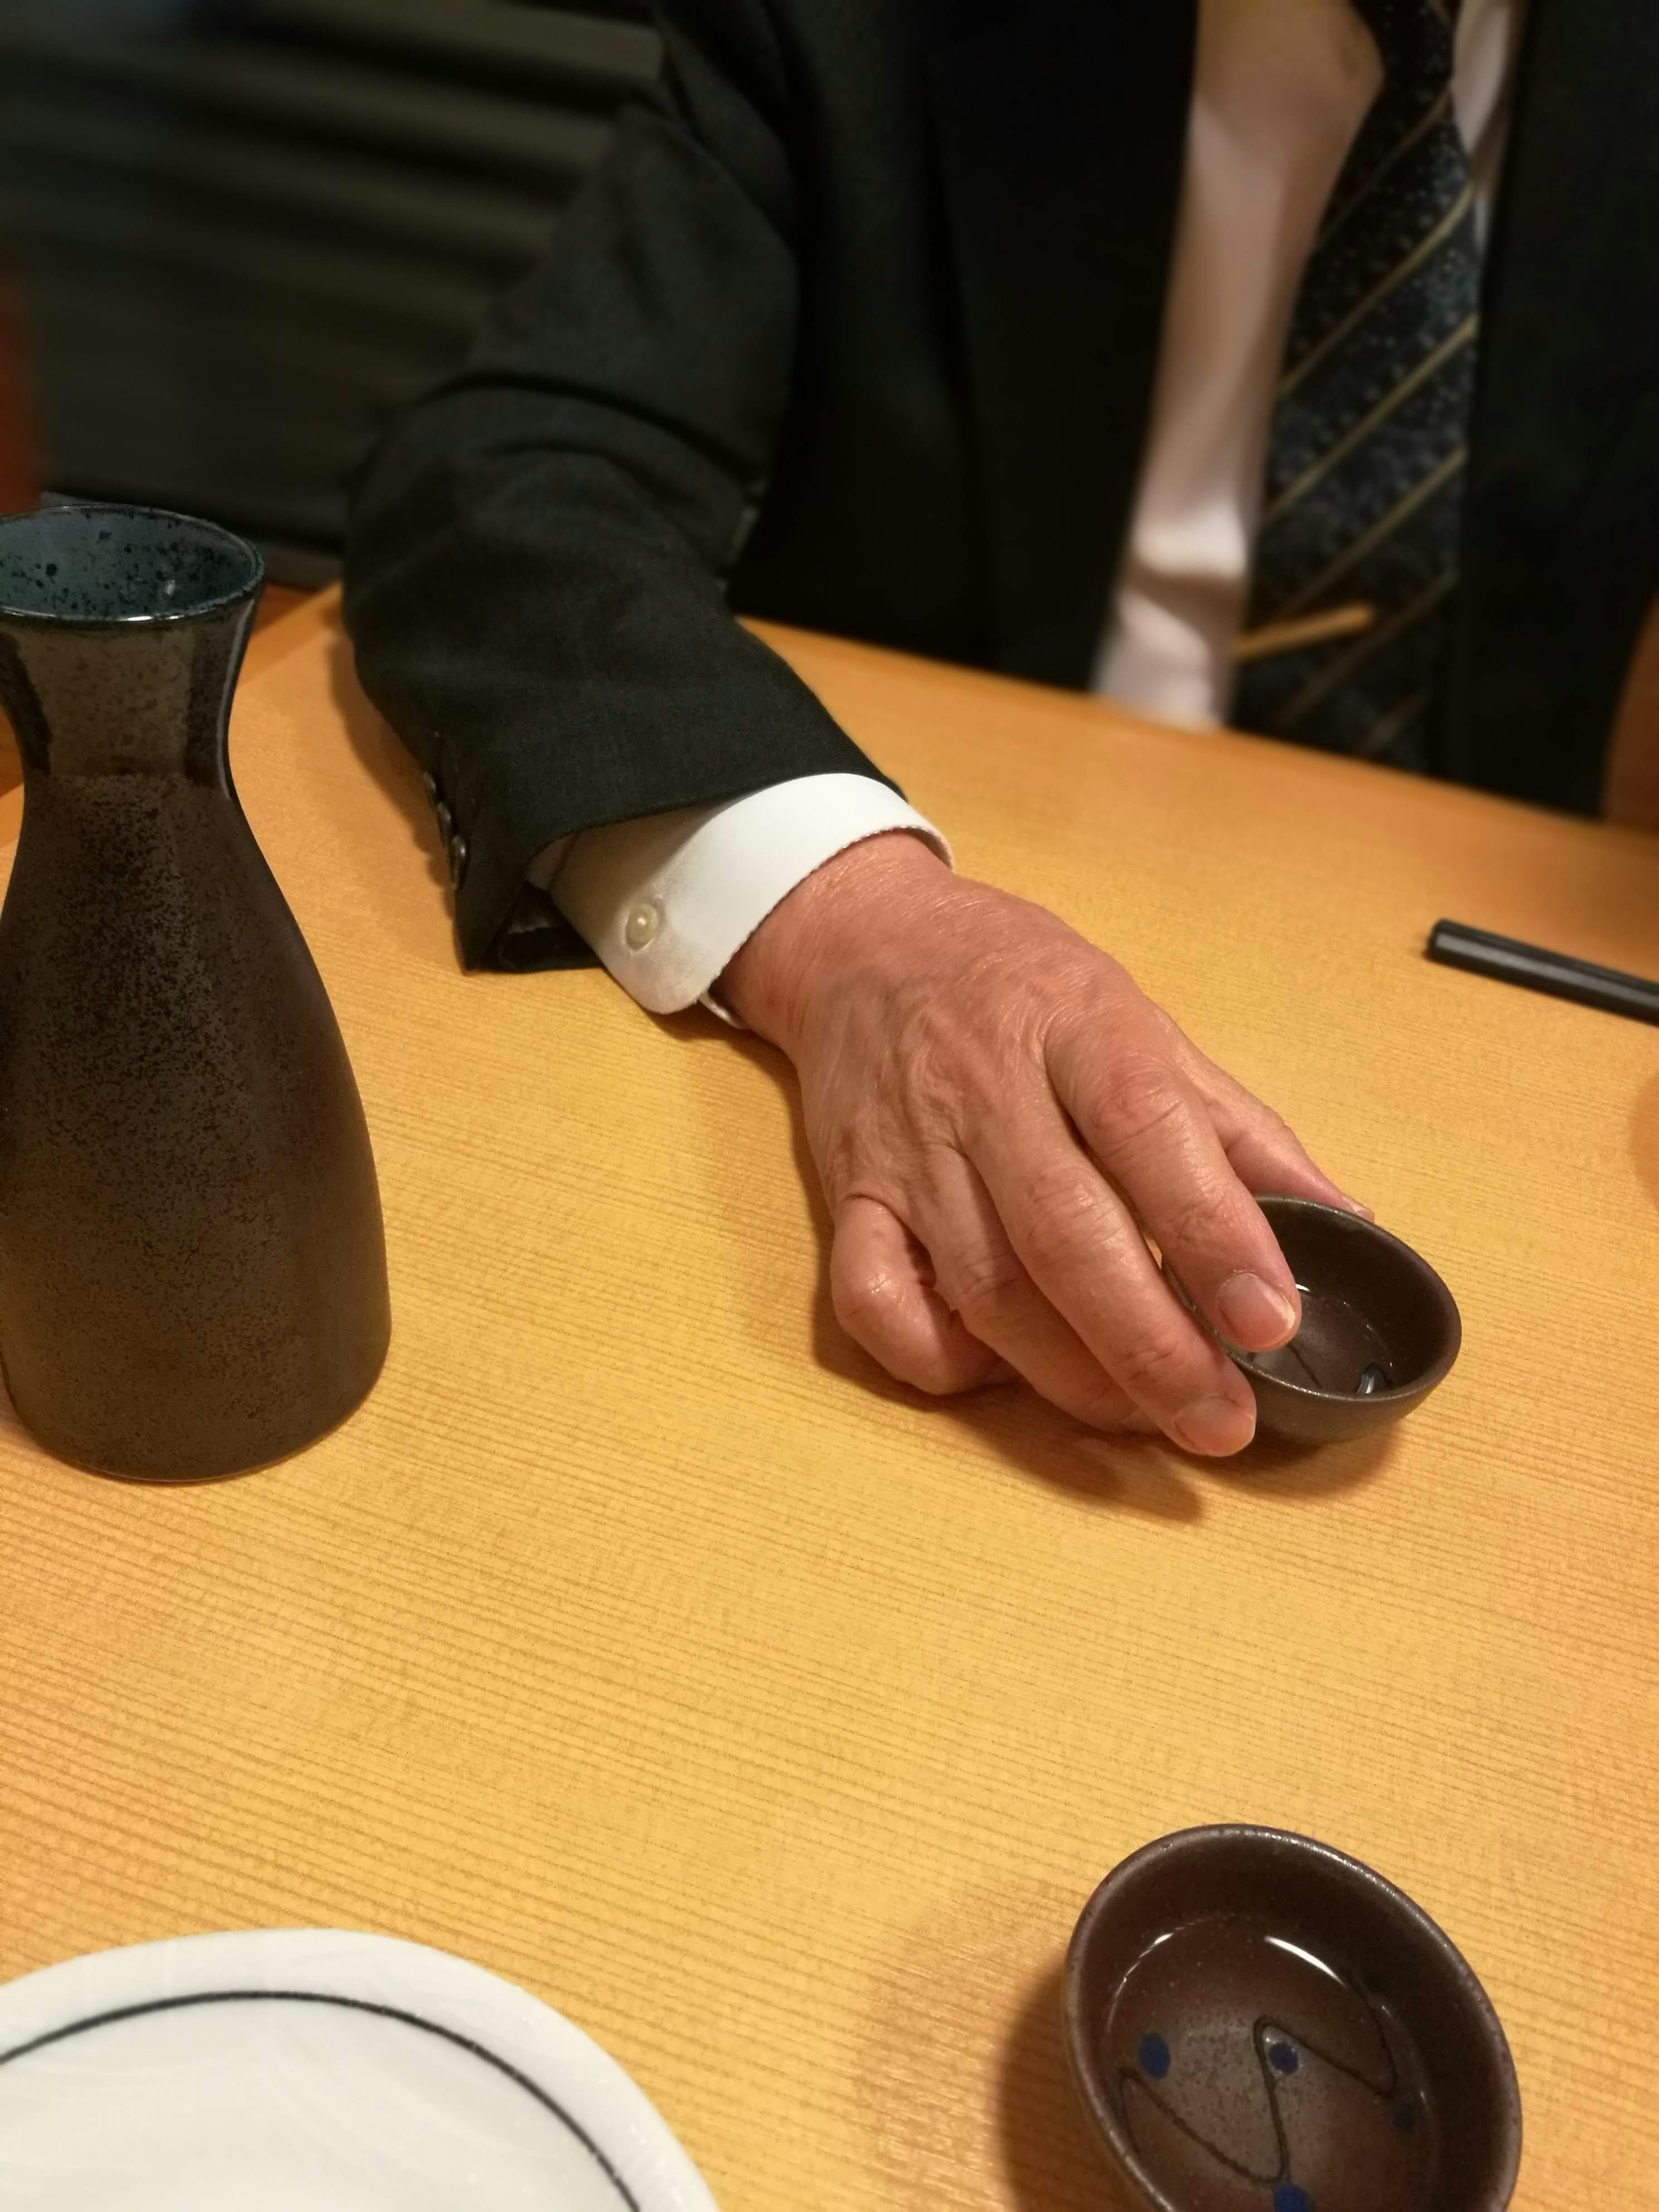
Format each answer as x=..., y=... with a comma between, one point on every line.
x=1257, y=2023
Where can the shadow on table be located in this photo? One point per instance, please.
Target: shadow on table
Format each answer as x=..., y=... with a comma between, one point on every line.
x=391, y=764
x=1142, y=1474
x=1271, y=1468
x=1048, y=2148
x=1644, y=1138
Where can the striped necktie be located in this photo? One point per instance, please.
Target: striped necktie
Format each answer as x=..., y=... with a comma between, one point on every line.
x=1367, y=449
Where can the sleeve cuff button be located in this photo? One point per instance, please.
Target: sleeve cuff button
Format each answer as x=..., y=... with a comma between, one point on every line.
x=643, y=922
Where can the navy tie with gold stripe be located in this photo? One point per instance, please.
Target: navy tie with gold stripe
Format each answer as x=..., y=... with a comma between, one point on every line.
x=1368, y=444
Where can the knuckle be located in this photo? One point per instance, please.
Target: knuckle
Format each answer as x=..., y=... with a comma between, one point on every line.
x=874, y=1311
x=1153, y=1366
x=1201, y=1217
x=1104, y=1406
x=981, y=1285
x=1140, y=1093
x=1281, y=1134
x=1272, y=1125
x=863, y=1300
x=1066, y=1218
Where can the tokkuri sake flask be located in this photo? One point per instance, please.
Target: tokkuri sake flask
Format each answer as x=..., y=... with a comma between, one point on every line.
x=193, y=1268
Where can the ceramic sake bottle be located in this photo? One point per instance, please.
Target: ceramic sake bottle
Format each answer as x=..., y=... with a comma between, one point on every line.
x=193, y=1268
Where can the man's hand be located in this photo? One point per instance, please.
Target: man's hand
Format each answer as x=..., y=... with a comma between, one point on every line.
x=997, y=1113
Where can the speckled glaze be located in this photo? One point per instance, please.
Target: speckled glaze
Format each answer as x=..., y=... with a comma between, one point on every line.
x=1259, y=2024
x=193, y=1266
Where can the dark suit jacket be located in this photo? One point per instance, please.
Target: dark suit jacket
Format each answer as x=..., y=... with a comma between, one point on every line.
x=857, y=328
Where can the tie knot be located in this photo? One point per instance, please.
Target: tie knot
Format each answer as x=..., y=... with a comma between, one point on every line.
x=1416, y=38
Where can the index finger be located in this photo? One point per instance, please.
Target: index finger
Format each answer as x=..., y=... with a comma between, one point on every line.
x=1154, y=1137
x=1085, y=1250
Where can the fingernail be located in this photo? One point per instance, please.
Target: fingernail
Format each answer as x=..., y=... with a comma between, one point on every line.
x=1215, y=1426
x=1354, y=1206
x=1255, y=1315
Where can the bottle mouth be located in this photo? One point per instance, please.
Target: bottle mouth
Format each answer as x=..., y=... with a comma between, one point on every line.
x=94, y=566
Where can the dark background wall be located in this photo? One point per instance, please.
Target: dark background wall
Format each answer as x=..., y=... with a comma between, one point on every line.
x=237, y=236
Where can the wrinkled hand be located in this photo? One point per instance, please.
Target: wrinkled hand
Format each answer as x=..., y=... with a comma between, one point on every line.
x=997, y=1113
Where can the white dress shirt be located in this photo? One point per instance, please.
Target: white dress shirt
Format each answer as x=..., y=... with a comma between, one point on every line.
x=1280, y=89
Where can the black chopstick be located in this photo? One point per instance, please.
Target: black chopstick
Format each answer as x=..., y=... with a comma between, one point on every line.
x=1456, y=946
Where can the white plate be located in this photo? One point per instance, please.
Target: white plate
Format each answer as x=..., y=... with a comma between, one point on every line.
x=298, y=2069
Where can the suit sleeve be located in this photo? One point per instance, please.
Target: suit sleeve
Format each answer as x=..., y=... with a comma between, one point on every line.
x=535, y=561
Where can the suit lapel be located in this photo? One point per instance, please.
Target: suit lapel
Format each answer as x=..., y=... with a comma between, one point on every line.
x=1561, y=555
x=1060, y=128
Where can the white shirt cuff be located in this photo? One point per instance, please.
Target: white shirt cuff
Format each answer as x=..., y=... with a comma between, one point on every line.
x=666, y=901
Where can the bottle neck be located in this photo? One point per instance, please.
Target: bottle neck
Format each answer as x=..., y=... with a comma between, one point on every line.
x=123, y=699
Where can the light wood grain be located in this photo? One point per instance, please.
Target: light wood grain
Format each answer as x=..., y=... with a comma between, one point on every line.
x=636, y=1640
x=277, y=603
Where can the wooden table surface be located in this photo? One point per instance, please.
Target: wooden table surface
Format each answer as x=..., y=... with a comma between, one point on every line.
x=638, y=1641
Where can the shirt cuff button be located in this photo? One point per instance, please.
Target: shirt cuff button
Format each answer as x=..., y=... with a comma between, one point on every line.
x=643, y=922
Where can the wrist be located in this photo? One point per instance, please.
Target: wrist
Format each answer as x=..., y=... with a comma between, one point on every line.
x=856, y=899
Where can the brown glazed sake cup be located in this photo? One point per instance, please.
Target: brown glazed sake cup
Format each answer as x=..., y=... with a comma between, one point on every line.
x=1379, y=1328
x=1257, y=2023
